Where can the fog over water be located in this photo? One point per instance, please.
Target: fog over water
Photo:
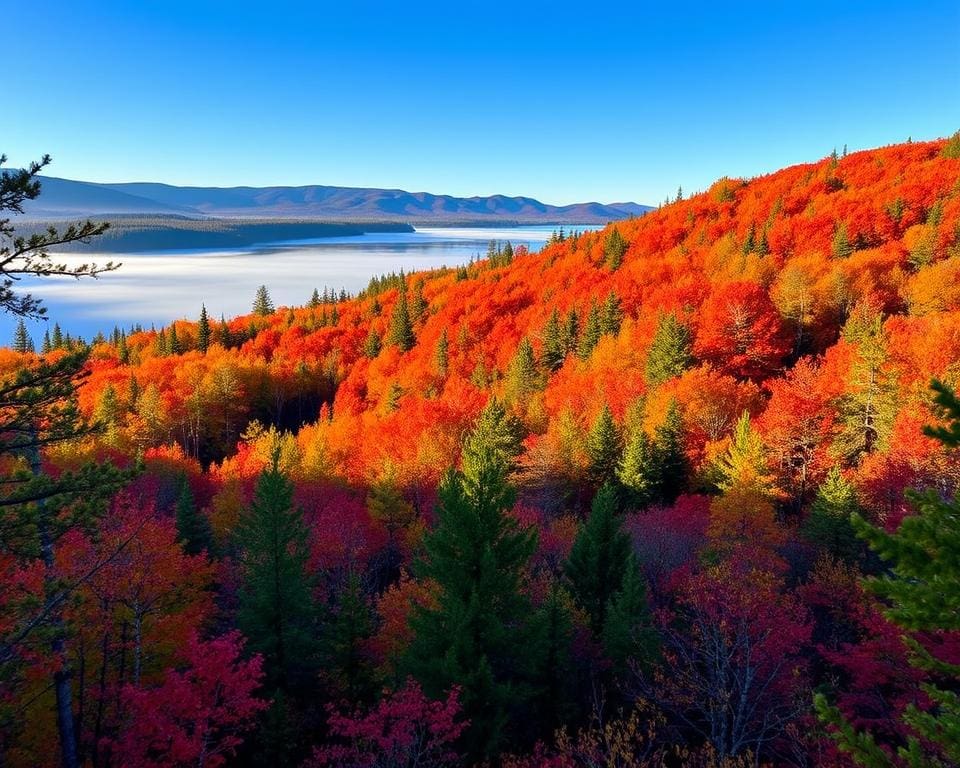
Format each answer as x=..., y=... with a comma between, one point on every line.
x=156, y=288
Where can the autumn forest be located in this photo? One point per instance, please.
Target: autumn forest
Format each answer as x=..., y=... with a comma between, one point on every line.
x=678, y=492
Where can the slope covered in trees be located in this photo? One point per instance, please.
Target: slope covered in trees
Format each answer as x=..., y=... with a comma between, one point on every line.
x=604, y=501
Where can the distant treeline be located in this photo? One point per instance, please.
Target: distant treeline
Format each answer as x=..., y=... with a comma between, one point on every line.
x=155, y=233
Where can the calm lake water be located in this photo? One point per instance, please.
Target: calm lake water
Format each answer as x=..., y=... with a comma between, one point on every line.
x=167, y=285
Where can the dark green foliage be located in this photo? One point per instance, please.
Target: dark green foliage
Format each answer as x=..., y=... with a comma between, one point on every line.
x=922, y=592
x=672, y=460
x=22, y=342
x=314, y=301
x=418, y=304
x=203, y=330
x=614, y=248
x=262, y=303
x=347, y=666
x=523, y=376
x=604, y=446
x=571, y=330
x=552, y=671
x=554, y=346
x=611, y=316
x=639, y=471
x=401, y=334
x=441, y=357
x=842, y=248
x=193, y=528
x=592, y=332
x=628, y=634
x=173, y=342
x=477, y=555
x=599, y=558
x=670, y=353
x=276, y=610
x=829, y=524
x=952, y=148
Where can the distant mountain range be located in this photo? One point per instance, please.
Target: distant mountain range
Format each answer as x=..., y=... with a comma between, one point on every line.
x=64, y=198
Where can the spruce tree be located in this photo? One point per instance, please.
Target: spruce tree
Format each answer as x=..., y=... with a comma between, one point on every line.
x=418, y=304
x=829, y=524
x=639, y=471
x=670, y=454
x=262, y=303
x=47, y=345
x=223, y=333
x=314, y=301
x=628, y=635
x=614, y=248
x=523, y=378
x=591, y=333
x=476, y=556
x=611, y=316
x=22, y=342
x=193, y=528
x=599, y=559
x=401, y=328
x=571, y=331
x=841, y=242
x=276, y=608
x=203, y=330
x=373, y=344
x=554, y=347
x=347, y=666
x=922, y=595
x=604, y=446
x=670, y=353
x=554, y=677
x=57, y=338
x=441, y=357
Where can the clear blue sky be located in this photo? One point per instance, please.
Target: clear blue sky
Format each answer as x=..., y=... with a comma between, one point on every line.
x=597, y=101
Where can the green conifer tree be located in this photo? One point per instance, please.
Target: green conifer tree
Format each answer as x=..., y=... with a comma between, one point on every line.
x=441, y=357
x=829, y=524
x=628, y=634
x=670, y=354
x=611, y=317
x=477, y=556
x=841, y=242
x=604, y=447
x=373, y=343
x=922, y=592
x=262, y=303
x=614, y=248
x=193, y=527
x=203, y=330
x=523, y=377
x=591, y=333
x=639, y=471
x=22, y=342
x=401, y=328
x=347, y=665
x=554, y=346
x=671, y=457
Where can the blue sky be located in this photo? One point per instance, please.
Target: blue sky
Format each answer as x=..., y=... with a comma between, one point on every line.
x=603, y=101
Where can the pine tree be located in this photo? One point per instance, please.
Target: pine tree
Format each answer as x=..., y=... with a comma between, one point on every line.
x=441, y=357
x=401, y=328
x=223, y=333
x=611, y=317
x=553, y=675
x=262, y=303
x=670, y=353
x=193, y=528
x=639, y=471
x=476, y=556
x=57, y=338
x=314, y=301
x=591, y=333
x=829, y=524
x=628, y=635
x=523, y=378
x=373, y=344
x=22, y=342
x=744, y=465
x=604, y=446
x=275, y=604
x=671, y=457
x=599, y=559
x=614, y=248
x=346, y=662
x=554, y=347
x=922, y=592
x=47, y=345
x=571, y=331
x=123, y=353
x=203, y=330
x=173, y=342
x=841, y=242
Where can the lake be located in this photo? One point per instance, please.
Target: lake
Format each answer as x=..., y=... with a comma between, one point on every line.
x=157, y=287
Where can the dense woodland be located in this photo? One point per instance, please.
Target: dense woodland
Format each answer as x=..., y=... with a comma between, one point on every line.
x=674, y=493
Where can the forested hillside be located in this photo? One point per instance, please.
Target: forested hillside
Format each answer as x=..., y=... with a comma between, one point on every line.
x=611, y=503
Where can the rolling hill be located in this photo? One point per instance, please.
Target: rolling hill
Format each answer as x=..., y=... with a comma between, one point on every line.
x=67, y=198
